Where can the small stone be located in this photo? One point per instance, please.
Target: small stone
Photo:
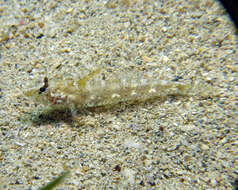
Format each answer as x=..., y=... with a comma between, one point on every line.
x=117, y=168
x=164, y=29
x=129, y=175
x=204, y=146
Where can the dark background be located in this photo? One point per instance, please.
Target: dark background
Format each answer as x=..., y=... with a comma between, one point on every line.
x=231, y=7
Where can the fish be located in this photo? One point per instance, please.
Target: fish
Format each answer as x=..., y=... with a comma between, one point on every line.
x=95, y=90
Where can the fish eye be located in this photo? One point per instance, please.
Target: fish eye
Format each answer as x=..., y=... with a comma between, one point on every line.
x=42, y=89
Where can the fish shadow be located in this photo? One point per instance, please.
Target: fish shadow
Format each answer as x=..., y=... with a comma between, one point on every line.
x=53, y=115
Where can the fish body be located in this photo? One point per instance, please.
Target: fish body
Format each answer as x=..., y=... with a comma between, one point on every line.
x=95, y=91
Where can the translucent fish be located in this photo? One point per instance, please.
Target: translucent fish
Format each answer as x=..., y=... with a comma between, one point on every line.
x=93, y=90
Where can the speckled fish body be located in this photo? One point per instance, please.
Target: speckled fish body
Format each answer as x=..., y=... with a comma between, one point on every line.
x=92, y=91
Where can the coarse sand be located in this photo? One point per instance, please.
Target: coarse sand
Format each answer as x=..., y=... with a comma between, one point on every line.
x=175, y=143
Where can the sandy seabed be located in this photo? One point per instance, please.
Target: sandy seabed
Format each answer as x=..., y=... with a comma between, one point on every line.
x=175, y=143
